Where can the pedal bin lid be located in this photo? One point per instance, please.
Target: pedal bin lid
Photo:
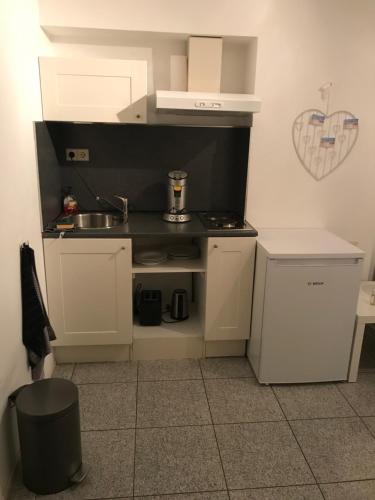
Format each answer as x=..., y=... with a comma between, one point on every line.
x=47, y=399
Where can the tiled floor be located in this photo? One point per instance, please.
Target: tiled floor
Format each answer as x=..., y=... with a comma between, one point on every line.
x=190, y=430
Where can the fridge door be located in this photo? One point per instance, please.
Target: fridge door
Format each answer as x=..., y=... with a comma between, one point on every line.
x=308, y=319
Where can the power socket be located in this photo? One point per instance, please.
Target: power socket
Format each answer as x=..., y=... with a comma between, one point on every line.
x=77, y=155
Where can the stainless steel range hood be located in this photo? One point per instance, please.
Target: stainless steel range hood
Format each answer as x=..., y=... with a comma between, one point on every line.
x=207, y=102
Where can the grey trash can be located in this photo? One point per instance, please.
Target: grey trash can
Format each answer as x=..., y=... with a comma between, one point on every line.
x=49, y=434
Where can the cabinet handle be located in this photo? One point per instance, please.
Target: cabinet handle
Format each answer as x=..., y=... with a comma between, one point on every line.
x=216, y=246
x=123, y=248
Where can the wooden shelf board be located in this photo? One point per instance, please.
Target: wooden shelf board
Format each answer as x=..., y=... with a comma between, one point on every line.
x=183, y=329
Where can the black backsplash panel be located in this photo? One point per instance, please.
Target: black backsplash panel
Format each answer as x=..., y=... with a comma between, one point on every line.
x=134, y=160
x=50, y=180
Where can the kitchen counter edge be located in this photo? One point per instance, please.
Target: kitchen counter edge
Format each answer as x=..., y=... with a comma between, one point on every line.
x=109, y=233
x=142, y=225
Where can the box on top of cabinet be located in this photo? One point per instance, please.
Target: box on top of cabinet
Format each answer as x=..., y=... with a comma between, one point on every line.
x=204, y=64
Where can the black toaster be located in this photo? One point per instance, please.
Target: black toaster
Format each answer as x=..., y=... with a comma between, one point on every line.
x=149, y=308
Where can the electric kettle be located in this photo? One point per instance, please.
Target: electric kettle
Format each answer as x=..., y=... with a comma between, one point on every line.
x=180, y=305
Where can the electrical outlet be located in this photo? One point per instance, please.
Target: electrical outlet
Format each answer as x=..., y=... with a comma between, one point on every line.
x=77, y=155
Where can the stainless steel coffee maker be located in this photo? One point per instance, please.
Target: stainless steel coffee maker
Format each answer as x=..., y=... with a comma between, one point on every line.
x=177, y=189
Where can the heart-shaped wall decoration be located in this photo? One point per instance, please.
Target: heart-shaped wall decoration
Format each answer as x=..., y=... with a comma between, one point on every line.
x=322, y=142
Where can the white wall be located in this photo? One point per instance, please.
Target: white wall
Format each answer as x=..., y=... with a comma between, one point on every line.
x=302, y=43
x=20, y=220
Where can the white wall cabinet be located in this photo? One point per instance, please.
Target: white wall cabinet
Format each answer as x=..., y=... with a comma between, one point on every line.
x=93, y=90
x=229, y=286
x=89, y=288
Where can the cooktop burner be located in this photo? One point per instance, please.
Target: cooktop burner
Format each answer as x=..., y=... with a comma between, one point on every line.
x=223, y=220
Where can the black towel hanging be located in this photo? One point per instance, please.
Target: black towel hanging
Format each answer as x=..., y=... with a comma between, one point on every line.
x=36, y=328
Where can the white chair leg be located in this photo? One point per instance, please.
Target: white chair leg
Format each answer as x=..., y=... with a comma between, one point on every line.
x=356, y=351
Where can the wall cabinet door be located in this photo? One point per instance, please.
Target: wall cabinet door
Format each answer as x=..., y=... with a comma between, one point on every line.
x=89, y=289
x=229, y=287
x=93, y=90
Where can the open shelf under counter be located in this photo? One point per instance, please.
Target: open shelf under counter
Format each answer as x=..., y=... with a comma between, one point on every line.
x=172, y=266
x=189, y=328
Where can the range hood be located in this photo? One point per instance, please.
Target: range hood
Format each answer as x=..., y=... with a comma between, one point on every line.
x=207, y=102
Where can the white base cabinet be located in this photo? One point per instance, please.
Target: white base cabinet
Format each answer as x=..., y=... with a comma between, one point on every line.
x=93, y=90
x=89, y=288
x=229, y=287
x=90, y=284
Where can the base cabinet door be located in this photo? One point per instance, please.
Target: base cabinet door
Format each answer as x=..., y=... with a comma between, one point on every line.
x=229, y=287
x=89, y=289
x=93, y=90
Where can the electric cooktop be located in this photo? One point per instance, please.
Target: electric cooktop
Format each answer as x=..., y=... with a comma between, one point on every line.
x=223, y=220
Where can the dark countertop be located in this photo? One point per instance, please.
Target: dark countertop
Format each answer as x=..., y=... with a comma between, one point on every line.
x=150, y=224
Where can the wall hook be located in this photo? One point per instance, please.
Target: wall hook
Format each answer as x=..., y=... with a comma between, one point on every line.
x=325, y=93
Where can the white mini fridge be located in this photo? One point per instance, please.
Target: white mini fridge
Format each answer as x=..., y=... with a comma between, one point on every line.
x=305, y=296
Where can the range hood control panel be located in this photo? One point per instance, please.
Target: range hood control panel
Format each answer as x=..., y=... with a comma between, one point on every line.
x=208, y=105
x=207, y=101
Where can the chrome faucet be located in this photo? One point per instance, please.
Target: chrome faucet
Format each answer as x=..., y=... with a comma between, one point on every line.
x=124, y=209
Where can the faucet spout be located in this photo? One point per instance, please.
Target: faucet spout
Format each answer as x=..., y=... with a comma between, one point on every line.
x=123, y=210
x=124, y=207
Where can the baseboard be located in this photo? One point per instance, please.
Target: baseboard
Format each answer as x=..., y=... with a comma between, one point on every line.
x=148, y=349
x=161, y=348
x=92, y=353
x=224, y=348
x=49, y=365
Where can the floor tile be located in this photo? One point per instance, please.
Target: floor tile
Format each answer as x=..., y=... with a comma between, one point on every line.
x=74, y=493
x=336, y=449
x=312, y=401
x=261, y=454
x=370, y=424
x=361, y=394
x=241, y=400
x=169, y=369
x=357, y=490
x=215, y=495
x=100, y=373
x=226, y=368
x=110, y=458
x=64, y=370
x=167, y=403
x=177, y=460
x=107, y=406
x=309, y=492
x=22, y=494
